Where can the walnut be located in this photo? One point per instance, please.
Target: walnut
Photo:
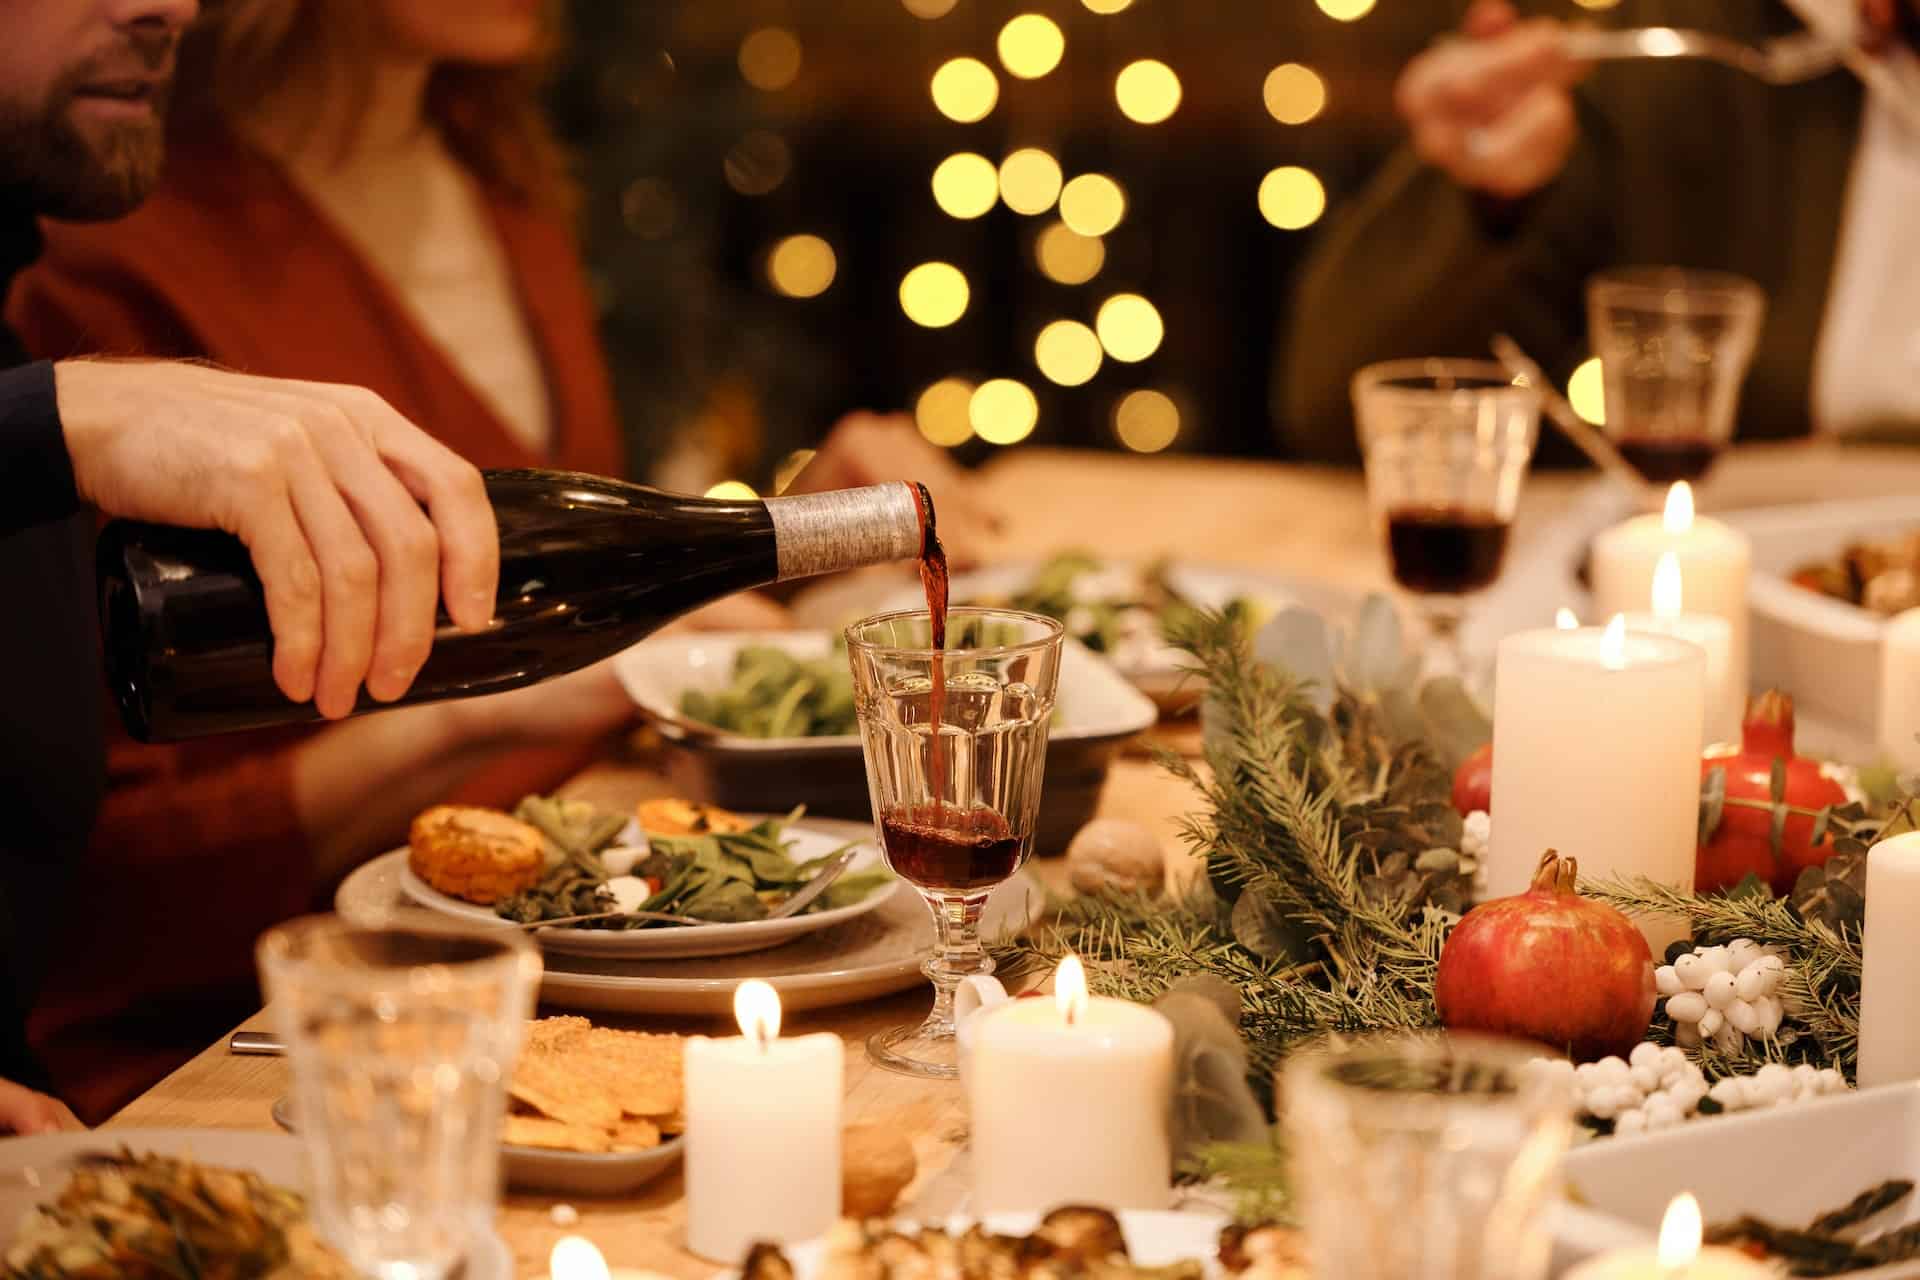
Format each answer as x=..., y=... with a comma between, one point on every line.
x=1116, y=854
x=876, y=1165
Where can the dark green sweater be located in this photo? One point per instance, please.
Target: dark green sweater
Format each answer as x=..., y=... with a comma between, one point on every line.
x=1678, y=163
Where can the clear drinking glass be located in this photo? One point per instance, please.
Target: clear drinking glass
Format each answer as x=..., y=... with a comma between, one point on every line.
x=955, y=810
x=1674, y=346
x=1426, y=1156
x=1446, y=444
x=401, y=1041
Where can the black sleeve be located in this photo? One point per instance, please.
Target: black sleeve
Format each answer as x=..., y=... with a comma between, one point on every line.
x=36, y=475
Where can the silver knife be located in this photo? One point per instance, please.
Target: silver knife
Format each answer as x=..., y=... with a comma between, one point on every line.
x=265, y=1044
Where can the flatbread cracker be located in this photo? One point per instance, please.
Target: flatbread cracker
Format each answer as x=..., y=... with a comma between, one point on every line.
x=634, y=1134
x=547, y=1084
x=538, y=1131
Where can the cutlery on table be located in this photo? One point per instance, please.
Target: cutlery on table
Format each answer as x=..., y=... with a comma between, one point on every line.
x=1782, y=60
x=1587, y=438
x=261, y=1044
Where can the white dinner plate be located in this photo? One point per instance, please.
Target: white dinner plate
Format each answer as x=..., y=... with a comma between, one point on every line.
x=1155, y=1238
x=874, y=955
x=805, y=842
x=33, y=1170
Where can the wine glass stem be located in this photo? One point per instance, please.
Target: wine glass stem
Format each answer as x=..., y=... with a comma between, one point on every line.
x=1446, y=655
x=957, y=954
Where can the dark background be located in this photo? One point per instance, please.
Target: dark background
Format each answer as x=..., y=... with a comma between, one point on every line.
x=652, y=97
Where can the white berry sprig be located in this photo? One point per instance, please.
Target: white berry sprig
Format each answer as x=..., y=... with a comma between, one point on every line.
x=1723, y=995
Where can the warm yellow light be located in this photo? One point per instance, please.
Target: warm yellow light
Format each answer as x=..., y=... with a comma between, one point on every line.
x=1130, y=327
x=1292, y=198
x=1565, y=619
x=934, y=294
x=1146, y=421
x=1587, y=392
x=941, y=412
x=1067, y=352
x=1031, y=46
x=1107, y=6
x=1345, y=10
x=1678, y=515
x=965, y=185
x=1070, y=989
x=1147, y=91
x=1596, y=4
x=1667, y=587
x=733, y=491
x=1003, y=411
x=1613, y=643
x=770, y=58
x=1029, y=181
x=965, y=89
x=1294, y=94
x=929, y=9
x=1068, y=257
x=757, y=163
x=1092, y=204
x=1680, y=1233
x=576, y=1258
x=801, y=266
x=756, y=1007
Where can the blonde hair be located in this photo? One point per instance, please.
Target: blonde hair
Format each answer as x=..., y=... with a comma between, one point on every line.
x=491, y=118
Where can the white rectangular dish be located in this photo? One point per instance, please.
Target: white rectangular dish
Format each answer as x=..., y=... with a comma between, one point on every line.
x=1787, y=1165
x=1825, y=652
x=1097, y=712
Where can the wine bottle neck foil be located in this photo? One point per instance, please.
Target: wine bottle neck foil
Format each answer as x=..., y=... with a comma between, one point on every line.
x=819, y=533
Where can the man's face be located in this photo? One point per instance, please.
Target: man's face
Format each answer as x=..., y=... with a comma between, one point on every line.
x=84, y=86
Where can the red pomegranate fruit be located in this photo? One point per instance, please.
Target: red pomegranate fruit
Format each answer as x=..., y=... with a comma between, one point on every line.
x=1549, y=965
x=1473, y=782
x=1743, y=842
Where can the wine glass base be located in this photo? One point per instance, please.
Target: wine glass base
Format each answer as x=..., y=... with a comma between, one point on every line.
x=916, y=1049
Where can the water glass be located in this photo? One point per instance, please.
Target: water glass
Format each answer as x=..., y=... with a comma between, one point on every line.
x=1426, y=1156
x=1446, y=445
x=402, y=1041
x=1674, y=346
x=954, y=809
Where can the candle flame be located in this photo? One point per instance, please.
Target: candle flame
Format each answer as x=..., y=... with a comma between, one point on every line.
x=1679, y=514
x=1070, y=989
x=1680, y=1233
x=1613, y=643
x=576, y=1258
x=756, y=1006
x=1566, y=619
x=1667, y=587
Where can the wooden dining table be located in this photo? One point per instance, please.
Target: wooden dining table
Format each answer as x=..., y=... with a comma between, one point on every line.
x=1273, y=517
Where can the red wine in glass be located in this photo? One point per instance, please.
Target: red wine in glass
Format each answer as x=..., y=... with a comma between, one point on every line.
x=1445, y=550
x=950, y=850
x=1663, y=459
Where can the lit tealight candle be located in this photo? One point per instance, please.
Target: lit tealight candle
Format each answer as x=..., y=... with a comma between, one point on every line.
x=1726, y=701
x=578, y=1258
x=1565, y=619
x=1715, y=563
x=1070, y=1102
x=1679, y=1255
x=763, y=1132
x=1597, y=754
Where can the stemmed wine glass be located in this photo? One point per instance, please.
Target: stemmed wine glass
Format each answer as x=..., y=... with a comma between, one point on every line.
x=954, y=805
x=1446, y=444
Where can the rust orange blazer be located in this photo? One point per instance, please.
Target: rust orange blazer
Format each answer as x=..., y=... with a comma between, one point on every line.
x=198, y=848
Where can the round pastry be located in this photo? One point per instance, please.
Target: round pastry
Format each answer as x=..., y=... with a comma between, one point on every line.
x=479, y=855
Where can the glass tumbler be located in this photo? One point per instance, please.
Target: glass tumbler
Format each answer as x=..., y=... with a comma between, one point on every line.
x=954, y=805
x=1426, y=1156
x=1446, y=445
x=1674, y=346
x=402, y=1041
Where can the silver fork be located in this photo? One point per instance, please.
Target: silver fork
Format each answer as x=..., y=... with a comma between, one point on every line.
x=1782, y=60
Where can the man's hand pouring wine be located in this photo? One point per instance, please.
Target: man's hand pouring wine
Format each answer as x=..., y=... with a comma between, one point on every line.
x=325, y=484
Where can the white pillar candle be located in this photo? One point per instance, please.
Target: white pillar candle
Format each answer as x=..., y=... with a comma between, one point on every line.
x=1726, y=701
x=1715, y=563
x=1890, y=964
x=1679, y=1256
x=1596, y=753
x=763, y=1132
x=1899, y=719
x=1070, y=1102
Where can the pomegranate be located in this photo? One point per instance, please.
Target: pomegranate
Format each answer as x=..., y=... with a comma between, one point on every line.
x=1549, y=965
x=1743, y=842
x=1473, y=782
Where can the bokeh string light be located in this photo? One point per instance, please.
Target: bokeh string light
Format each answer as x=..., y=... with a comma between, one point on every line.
x=1292, y=198
x=1003, y=411
x=758, y=163
x=1146, y=421
x=929, y=9
x=934, y=294
x=966, y=185
x=733, y=490
x=1147, y=91
x=1294, y=94
x=802, y=266
x=942, y=410
x=965, y=90
x=1031, y=45
x=1067, y=353
x=770, y=58
x=1092, y=204
x=1067, y=257
x=1346, y=10
x=1029, y=181
x=1587, y=392
x=1107, y=6
x=1130, y=327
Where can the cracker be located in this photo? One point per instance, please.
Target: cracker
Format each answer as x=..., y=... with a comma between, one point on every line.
x=538, y=1131
x=643, y=1073
x=550, y=1086
x=634, y=1134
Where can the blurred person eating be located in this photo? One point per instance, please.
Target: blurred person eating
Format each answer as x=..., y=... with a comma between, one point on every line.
x=1527, y=172
x=361, y=191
